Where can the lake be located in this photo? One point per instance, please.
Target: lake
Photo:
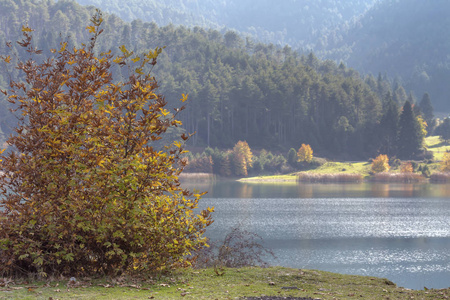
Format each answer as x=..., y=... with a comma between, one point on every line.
x=397, y=231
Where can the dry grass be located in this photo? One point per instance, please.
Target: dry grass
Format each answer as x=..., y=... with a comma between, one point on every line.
x=437, y=146
x=332, y=178
x=398, y=177
x=440, y=177
x=196, y=176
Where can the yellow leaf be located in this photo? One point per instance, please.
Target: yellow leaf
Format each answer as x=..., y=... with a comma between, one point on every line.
x=26, y=29
x=105, y=53
x=7, y=59
x=164, y=112
x=177, y=144
x=91, y=29
x=63, y=47
x=117, y=60
x=184, y=97
x=71, y=62
x=124, y=49
x=136, y=59
x=139, y=71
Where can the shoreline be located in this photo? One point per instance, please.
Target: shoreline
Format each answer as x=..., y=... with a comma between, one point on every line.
x=225, y=283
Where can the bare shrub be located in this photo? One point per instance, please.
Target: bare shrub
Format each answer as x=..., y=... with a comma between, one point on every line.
x=240, y=248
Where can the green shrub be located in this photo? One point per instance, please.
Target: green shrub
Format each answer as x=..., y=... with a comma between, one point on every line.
x=292, y=157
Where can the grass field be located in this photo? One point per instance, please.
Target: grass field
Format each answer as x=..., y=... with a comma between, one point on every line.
x=435, y=145
x=432, y=143
x=233, y=284
x=362, y=168
x=289, y=178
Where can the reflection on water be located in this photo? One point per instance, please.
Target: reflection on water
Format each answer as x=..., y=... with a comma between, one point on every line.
x=398, y=231
x=234, y=189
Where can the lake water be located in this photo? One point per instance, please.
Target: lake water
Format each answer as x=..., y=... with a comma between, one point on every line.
x=397, y=231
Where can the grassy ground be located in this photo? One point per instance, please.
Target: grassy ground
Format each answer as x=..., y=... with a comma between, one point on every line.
x=435, y=145
x=233, y=284
x=272, y=178
x=362, y=168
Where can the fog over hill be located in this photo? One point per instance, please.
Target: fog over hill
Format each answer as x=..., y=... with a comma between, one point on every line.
x=402, y=39
x=269, y=96
x=405, y=39
x=299, y=23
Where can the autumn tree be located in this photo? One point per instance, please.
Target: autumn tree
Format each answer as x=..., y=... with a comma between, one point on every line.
x=406, y=167
x=83, y=190
x=242, y=158
x=423, y=126
x=305, y=154
x=445, y=164
x=380, y=164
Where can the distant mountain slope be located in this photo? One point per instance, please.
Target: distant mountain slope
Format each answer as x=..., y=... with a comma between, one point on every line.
x=266, y=95
x=296, y=22
x=404, y=38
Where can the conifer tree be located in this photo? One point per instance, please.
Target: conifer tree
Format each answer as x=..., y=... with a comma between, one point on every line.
x=388, y=128
x=410, y=138
x=427, y=109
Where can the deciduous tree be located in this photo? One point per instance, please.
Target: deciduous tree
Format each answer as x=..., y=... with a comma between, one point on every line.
x=445, y=164
x=380, y=164
x=242, y=158
x=305, y=153
x=83, y=190
x=292, y=157
x=406, y=167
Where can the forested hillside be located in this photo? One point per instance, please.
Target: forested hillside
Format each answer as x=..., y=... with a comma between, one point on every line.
x=299, y=23
x=405, y=39
x=400, y=38
x=238, y=90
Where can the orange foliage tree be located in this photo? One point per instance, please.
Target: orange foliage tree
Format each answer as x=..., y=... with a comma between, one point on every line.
x=305, y=153
x=242, y=158
x=381, y=164
x=406, y=167
x=84, y=191
x=445, y=164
